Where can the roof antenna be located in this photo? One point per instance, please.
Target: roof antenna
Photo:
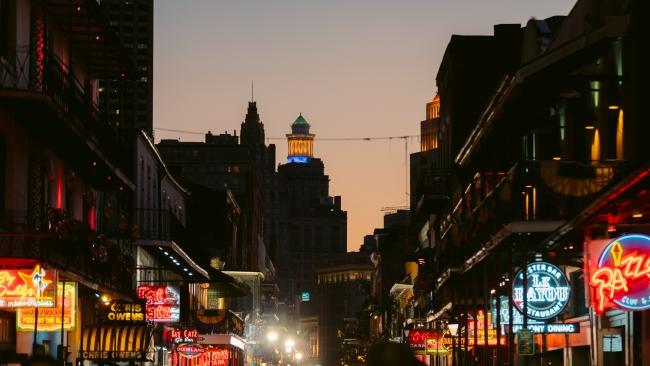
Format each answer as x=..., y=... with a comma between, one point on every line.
x=252, y=91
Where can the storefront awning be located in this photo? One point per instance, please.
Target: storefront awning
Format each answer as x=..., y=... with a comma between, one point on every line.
x=117, y=343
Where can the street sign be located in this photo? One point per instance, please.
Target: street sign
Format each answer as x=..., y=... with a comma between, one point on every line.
x=525, y=343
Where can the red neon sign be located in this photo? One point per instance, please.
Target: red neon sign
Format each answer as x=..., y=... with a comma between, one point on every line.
x=27, y=287
x=163, y=302
x=621, y=277
x=216, y=356
x=417, y=337
x=183, y=335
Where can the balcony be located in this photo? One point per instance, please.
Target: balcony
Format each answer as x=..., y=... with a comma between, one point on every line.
x=69, y=246
x=44, y=96
x=533, y=196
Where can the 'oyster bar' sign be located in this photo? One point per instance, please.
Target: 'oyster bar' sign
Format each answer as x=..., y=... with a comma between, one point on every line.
x=547, y=294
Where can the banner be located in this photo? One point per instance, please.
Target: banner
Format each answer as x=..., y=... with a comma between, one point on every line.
x=49, y=319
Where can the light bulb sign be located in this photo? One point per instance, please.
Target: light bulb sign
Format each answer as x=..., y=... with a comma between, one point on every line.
x=621, y=277
x=547, y=294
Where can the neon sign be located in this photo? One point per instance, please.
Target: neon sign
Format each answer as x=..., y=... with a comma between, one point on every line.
x=162, y=302
x=417, y=338
x=621, y=278
x=479, y=328
x=188, y=350
x=183, y=335
x=216, y=356
x=27, y=288
x=49, y=319
x=120, y=311
x=547, y=294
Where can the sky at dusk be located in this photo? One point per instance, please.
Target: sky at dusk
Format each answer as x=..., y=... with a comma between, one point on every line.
x=353, y=68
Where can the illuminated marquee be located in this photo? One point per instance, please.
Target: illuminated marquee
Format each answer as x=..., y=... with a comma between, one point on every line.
x=216, y=356
x=547, y=294
x=27, y=287
x=417, y=338
x=621, y=277
x=162, y=302
x=177, y=336
x=480, y=331
x=125, y=312
x=49, y=319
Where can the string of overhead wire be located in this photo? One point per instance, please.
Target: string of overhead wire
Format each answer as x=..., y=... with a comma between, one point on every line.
x=404, y=138
x=374, y=138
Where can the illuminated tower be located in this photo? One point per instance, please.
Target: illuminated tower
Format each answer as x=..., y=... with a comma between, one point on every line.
x=301, y=142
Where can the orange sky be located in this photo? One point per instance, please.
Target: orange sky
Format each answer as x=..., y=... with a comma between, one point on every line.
x=357, y=68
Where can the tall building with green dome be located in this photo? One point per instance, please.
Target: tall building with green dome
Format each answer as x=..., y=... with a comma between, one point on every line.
x=312, y=224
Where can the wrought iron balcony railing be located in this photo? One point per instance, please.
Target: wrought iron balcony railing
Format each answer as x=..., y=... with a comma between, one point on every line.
x=37, y=70
x=532, y=191
x=72, y=247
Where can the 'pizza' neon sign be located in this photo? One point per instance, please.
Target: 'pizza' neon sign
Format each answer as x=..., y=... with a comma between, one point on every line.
x=621, y=277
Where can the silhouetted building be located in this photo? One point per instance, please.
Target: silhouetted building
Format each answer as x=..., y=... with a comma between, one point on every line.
x=222, y=164
x=312, y=223
x=133, y=22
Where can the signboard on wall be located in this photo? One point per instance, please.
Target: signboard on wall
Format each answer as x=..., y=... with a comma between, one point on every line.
x=49, y=319
x=190, y=350
x=179, y=335
x=525, y=343
x=417, y=338
x=547, y=294
x=216, y=356
x=305, y=296
x=480, y=327
x=555, y=328
x=118, y=311
x=620, y=277
x=27, y=287
x=162, y=302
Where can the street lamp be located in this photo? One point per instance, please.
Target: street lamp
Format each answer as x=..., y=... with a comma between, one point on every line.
x=453, y=328
x=289, y=343
x=453, y=331
x=272, y=336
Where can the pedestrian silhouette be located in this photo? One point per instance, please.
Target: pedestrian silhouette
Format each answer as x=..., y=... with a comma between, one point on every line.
x=391, y=354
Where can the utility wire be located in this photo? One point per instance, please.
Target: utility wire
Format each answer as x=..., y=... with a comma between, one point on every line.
x=319, y=138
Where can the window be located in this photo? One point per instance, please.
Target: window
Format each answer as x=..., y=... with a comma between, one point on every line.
x=7, y=27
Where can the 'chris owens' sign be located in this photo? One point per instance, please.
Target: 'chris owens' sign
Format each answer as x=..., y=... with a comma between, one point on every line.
x=125, y=312
x=621, y=277
x=548, y=291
